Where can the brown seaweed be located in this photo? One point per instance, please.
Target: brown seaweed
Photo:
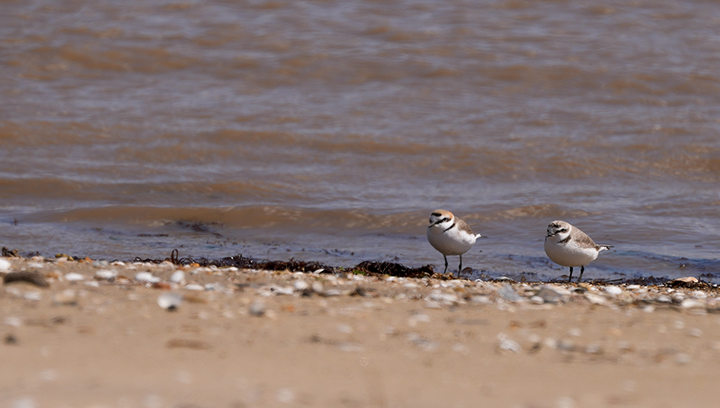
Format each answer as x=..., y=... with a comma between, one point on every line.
x=294, y=265
x=9, y=253
x=34, y=278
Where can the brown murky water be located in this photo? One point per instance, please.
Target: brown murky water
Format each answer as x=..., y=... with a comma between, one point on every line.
x=329, y=130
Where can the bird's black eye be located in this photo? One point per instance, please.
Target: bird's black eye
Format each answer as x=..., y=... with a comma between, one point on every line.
x=563, y=230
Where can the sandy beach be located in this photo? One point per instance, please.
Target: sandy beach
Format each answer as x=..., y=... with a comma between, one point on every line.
x=97, y=336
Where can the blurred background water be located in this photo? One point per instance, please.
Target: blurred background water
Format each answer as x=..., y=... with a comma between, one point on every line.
x=329, y=130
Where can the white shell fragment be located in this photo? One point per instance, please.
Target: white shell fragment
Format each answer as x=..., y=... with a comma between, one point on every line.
x=147, y=277
x=257, y=308
x=178, y=277
x=169, y=301
x=105, y=274
x=506, y=344
x=317, y=287
x=66, y=297
x=508, y=293
x=549, y=294
x=4, y=265
x=300, y=285
x=74, y=277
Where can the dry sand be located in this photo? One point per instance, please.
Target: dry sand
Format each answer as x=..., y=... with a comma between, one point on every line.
x=262, y=339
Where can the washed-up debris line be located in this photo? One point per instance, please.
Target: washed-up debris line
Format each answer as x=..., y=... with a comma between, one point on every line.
x=293, y=265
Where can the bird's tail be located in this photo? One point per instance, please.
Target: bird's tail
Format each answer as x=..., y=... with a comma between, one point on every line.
x=604, y=247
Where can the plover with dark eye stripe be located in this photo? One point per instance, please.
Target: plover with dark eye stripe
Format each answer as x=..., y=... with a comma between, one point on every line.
x=450, y=235
x=568, y=246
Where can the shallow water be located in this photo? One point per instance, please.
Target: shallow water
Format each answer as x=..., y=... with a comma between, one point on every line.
x=329, y=131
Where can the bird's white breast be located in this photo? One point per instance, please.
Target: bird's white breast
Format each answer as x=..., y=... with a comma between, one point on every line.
x=450, y=242
x=569, y=254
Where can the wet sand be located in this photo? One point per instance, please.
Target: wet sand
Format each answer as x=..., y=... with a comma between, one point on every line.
x=248, y=338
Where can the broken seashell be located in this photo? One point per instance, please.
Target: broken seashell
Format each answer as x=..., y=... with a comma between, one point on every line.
x=169, y=301
x=105, y=274
x=147, y=277
x=74, y=277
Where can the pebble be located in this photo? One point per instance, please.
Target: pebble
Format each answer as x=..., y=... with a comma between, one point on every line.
x=194, y=286
x=695, y=332
x=699, y=294
x=74, y=277
x=32, y=295
x=147, y=277
x=300, y=285
x=549, y=294
x=593, y=349
x=169, y=300
x=678, y=297
x=505, y=344
x=344, y=328
x=595, y=299
x=508, y=293
x=4, y=265
x=683, y=359
x=692, y=303
x=443, y=298
x=418, y=318
x=432, y=305
x=613, y=290
x=66, y=297
x=105, y=274
x=421, y=342
x=317, y=287
x=281, y=290
x=257, y=309
x=178, y=277
x=24, y=403
x=481, y=299
x=285, y=396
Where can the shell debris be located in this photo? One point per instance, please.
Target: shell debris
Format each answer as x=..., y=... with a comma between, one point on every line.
x=170, y=300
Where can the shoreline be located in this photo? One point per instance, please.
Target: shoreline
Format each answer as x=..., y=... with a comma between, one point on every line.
x=121, y=334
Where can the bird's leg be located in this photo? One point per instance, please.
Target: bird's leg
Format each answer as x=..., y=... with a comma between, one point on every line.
x=446, y=264
x=582, y=269
x=460, y=267
x=570, y=278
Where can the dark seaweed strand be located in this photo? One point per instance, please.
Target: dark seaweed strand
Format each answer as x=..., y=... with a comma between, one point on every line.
x=241, y=262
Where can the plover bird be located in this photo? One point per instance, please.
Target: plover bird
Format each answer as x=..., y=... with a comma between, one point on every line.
x=568, y=246
x=450, y=235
